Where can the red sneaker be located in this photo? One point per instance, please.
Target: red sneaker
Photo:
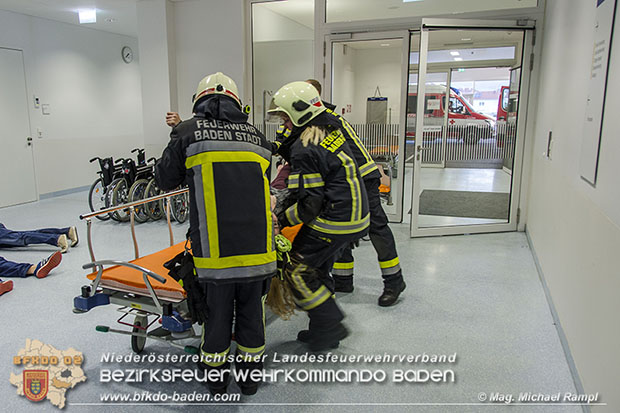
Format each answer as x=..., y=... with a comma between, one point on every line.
x=5, y=286
x=44, y=267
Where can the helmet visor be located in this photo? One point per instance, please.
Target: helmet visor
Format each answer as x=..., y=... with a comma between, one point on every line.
x=275, y=113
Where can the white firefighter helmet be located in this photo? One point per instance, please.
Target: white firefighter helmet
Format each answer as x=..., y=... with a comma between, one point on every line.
x=220, y=84
x=300, y=101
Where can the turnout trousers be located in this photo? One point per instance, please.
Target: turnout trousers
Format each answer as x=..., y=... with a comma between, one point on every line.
x=382, y=240
x=312, y=256
x=240, y=306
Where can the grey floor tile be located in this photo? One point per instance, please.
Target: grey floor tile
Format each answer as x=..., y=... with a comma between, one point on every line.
x=477, y=296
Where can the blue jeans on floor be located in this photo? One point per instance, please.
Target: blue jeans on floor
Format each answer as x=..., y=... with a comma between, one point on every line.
x=9, y=239
x=13, y=269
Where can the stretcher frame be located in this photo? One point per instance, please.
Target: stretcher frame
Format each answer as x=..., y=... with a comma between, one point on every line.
x=139, y=305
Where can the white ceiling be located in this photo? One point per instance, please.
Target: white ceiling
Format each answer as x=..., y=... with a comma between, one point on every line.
x=121, y=12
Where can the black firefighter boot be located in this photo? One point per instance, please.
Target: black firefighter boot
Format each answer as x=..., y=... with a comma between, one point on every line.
x=326, y=328
x=306, y=336
x=391, y=291
x=343, y=283
x=218, y=386
x=249, y=387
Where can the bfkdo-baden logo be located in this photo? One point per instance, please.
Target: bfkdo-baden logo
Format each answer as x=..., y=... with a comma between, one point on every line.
x=36, y=384
x=48, y=372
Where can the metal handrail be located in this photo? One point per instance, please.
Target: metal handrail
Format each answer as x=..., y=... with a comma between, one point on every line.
x=135, y=203
x=131, y=206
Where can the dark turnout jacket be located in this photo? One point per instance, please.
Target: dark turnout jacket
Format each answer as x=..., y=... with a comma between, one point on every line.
x=326, y=182
x=365, y=163
x=224, y=160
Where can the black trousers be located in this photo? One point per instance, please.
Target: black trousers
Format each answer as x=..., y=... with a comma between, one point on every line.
x=307, y=273
x=382, y=240
x=245, y=304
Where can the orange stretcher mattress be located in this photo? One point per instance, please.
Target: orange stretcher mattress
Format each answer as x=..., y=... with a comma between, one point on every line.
x=290, y=232
x=129, y=280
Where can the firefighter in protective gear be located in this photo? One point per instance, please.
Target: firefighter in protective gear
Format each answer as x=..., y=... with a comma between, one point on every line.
x=223, y=159
x=331, y=204
x=379, y=232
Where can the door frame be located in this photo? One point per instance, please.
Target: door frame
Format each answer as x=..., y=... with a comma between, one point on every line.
x=526, y=62
x=404, y=35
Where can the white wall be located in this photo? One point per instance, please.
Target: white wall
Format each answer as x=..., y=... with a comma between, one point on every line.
x=575, y=228
x=357, y=75
x=282, y=53
x=344, y=81
x=157, y=67
x=276, y=64
x=268, y=26
x=209, y=38
x=94, y=97
x=382, y=68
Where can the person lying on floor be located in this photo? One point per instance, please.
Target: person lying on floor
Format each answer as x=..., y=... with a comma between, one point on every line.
x=22, y=270
x=58, y=237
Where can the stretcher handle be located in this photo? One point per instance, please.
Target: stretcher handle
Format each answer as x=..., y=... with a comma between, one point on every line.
x=136, y=203
x=125, y=264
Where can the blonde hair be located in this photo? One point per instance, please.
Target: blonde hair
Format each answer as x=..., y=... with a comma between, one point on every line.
x=280, y=298
x=312, y=134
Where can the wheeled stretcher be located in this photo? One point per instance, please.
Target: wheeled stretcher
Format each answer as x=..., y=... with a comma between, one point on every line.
x=142, y=288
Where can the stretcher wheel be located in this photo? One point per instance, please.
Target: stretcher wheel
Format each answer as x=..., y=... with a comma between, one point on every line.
x=137, y=343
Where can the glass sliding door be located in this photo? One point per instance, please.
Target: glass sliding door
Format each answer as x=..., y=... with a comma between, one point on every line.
x=465, y=174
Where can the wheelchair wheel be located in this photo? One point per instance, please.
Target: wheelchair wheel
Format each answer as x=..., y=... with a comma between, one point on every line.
x=137, y=343
x=108, y=198
x=120, y=196
x=179, y=208
x=136, y=193
x=97, y=198
x=155, y=209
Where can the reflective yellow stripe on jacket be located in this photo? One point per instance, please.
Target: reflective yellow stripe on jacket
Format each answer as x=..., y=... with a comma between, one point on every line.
x=213, y=259
x=369, y=165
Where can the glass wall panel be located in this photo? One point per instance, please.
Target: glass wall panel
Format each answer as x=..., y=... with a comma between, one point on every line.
x=282, y=51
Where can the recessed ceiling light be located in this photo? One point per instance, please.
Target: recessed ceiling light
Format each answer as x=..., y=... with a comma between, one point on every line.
x=410, y=1
x=458, y=59
x=455, y=53
x=87, y=16
x=466, y=39
x=385, y=44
